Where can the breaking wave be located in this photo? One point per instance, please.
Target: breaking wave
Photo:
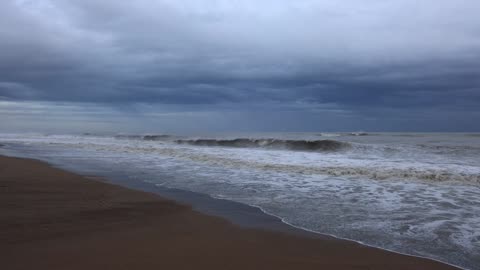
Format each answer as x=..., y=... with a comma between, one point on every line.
x=296, y=145
x=160, y=137
x=385, y=171
x=156, y=137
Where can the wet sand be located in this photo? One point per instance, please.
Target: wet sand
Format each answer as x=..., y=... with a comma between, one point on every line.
x=53, y=219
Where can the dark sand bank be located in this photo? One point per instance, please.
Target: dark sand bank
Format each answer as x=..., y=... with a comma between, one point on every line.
x=53, y=219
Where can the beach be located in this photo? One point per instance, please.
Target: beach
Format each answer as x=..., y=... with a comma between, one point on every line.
x=54, y=219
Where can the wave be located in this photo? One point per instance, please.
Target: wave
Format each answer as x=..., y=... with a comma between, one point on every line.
x=160, y=137
x=156, y=137
x=297, y=145
x=412, y=135
x=128, y=137
x=385, y=172
x=359, y=133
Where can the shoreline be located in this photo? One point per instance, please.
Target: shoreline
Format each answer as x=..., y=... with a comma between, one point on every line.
x=313, y=248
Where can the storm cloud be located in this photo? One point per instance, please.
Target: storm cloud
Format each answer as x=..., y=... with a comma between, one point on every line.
x=241, y=65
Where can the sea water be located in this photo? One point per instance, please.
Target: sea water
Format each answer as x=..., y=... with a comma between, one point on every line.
x=413, y=193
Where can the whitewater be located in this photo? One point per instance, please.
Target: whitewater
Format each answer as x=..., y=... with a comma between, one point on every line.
x=413, y=193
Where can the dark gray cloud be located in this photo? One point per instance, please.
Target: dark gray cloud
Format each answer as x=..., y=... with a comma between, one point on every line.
x=339, y=65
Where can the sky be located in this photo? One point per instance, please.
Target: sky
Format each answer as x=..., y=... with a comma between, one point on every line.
x=228, y=65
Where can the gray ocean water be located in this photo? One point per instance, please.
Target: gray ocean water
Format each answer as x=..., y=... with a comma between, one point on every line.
x=413, y=193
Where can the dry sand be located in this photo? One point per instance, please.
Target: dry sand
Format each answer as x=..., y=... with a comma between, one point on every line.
x=53, y=219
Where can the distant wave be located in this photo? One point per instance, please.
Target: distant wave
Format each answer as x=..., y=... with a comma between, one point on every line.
x=413, y=135
x=156, y=137
x=451, y=149
x=359, y=133
x=298, y=145
x=128, y=137
x=159, y=137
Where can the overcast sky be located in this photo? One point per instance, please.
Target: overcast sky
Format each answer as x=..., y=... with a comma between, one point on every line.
x=225, y=65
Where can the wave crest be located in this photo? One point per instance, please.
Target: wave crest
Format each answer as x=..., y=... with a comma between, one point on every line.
x=156, y=137
x=144, y=137
x=296, y=145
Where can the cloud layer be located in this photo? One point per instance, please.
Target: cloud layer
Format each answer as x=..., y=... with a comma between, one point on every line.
x=372, y=63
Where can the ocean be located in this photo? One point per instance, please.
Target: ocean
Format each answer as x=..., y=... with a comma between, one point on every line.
x=412, y=193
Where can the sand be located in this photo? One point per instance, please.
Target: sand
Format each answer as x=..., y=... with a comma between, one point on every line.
x=53, y=219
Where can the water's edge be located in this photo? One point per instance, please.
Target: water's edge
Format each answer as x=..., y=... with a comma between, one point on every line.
x=240, y=214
